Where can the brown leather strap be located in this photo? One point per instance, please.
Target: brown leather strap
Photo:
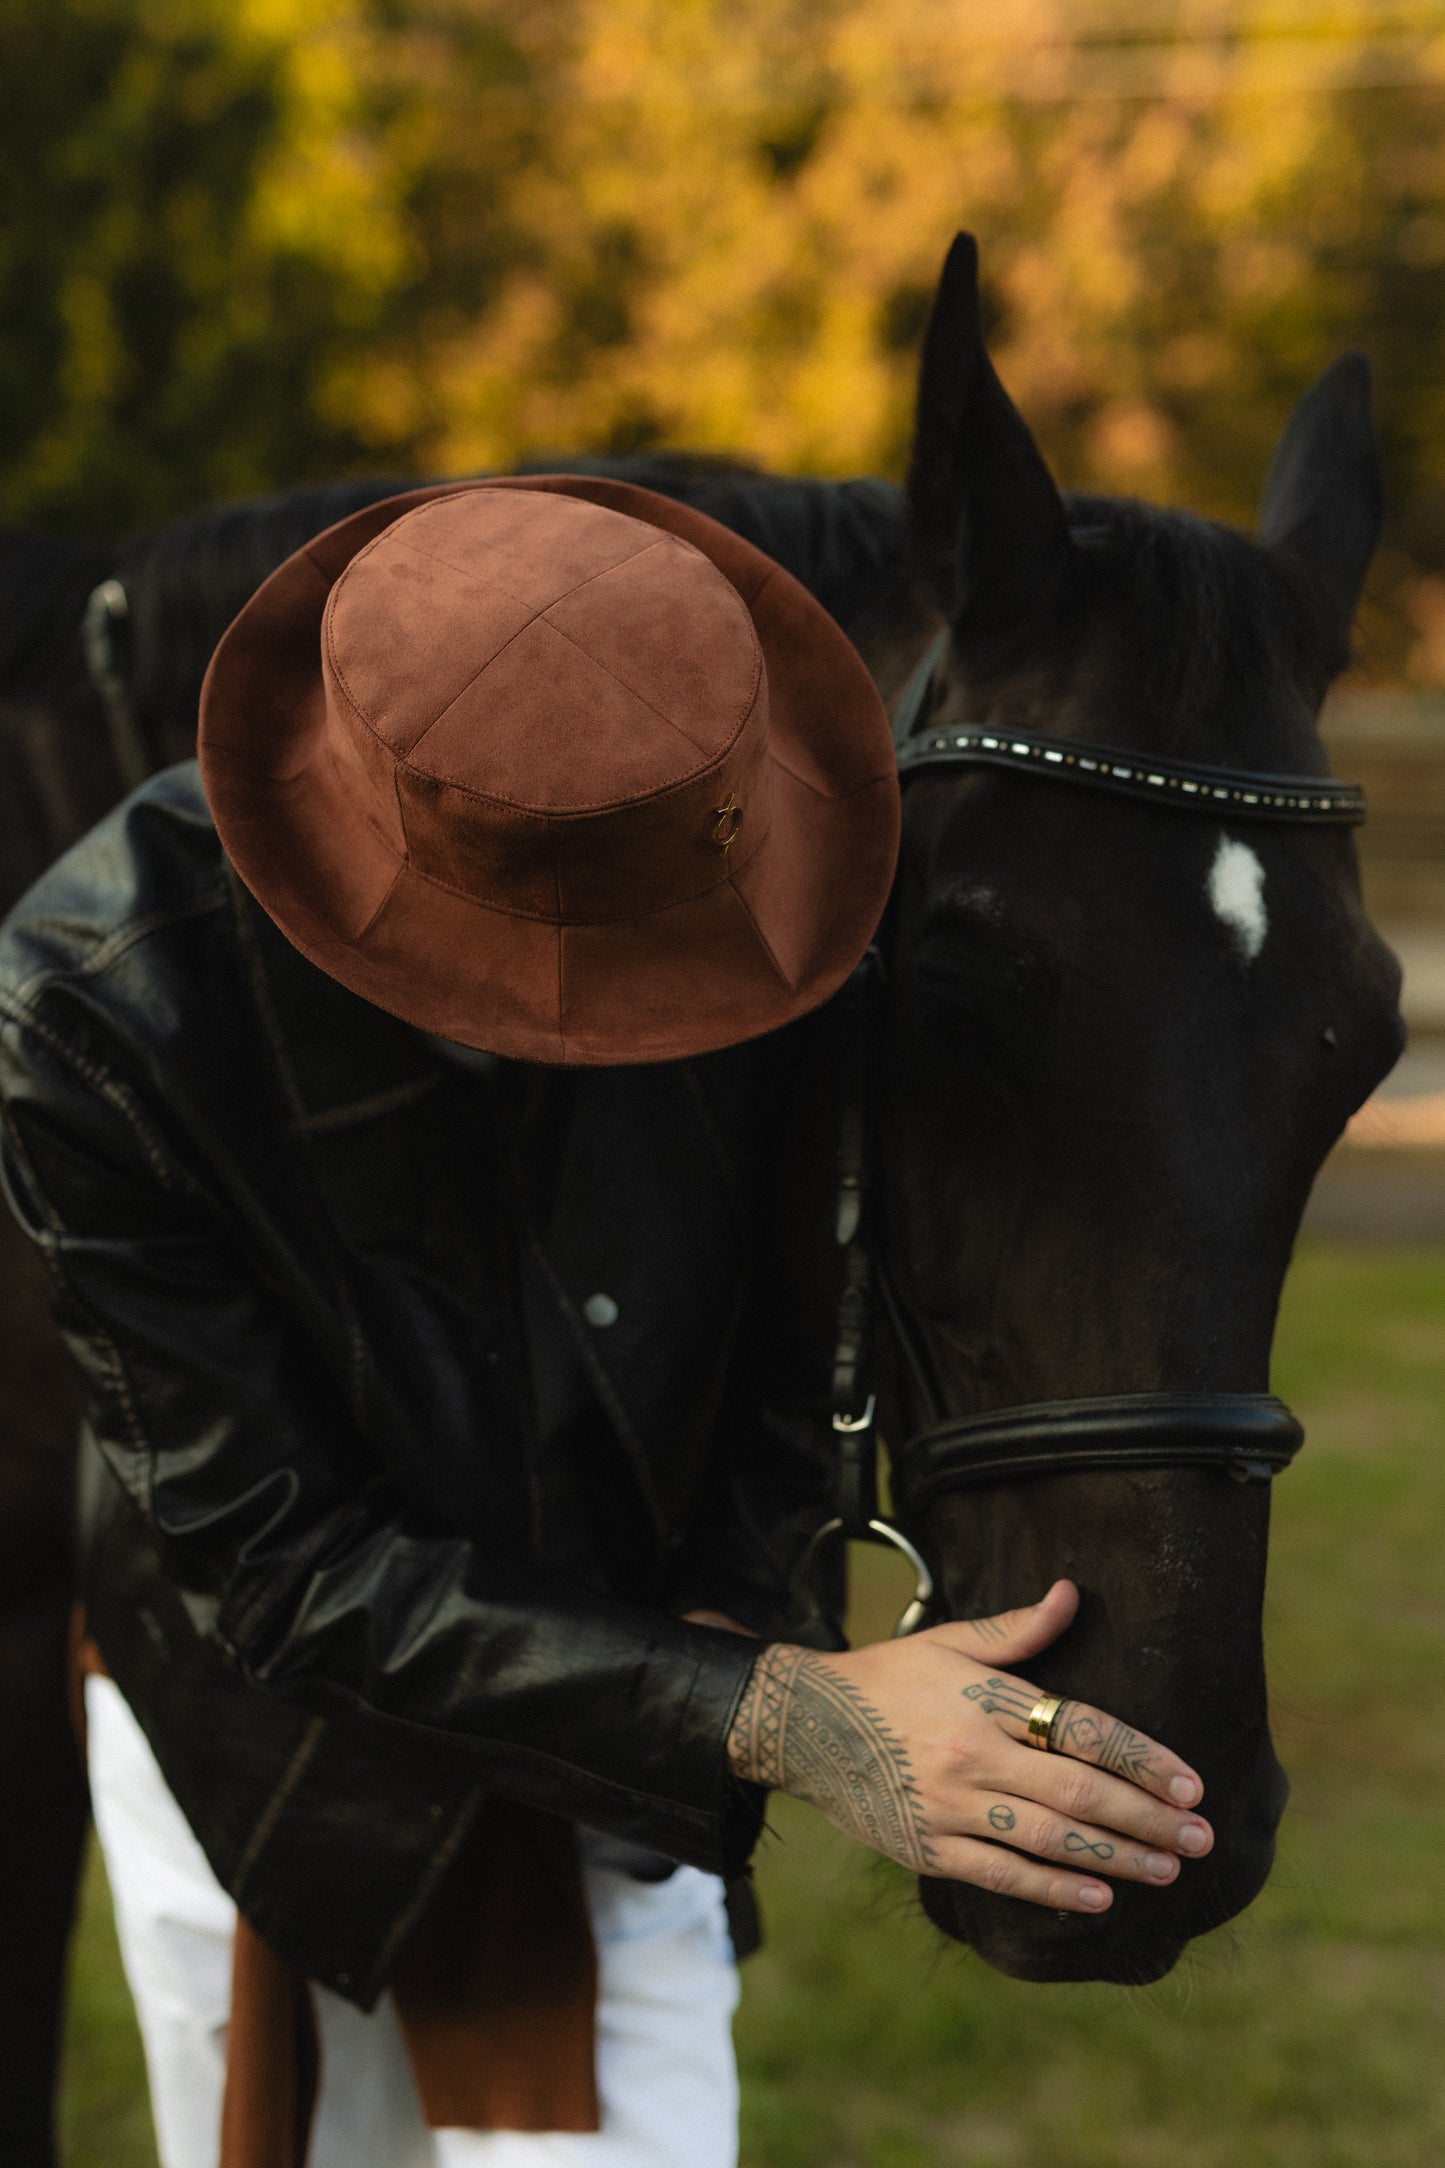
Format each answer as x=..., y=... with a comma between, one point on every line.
x=496, y=1993
x=497, y=1987
x=272, y=2059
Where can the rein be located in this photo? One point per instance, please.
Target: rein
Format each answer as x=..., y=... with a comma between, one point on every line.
x=1248, y=1436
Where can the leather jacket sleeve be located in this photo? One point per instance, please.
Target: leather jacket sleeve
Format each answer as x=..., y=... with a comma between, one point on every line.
x=241, y=1452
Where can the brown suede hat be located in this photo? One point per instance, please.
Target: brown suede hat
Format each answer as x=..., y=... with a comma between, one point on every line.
x=556, y=768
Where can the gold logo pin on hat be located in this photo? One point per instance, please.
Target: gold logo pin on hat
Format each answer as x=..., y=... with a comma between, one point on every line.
x=727, y=820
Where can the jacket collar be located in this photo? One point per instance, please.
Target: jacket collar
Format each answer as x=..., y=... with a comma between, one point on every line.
x=340, y=1060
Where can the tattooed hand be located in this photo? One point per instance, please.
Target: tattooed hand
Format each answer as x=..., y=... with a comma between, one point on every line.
x=918, y=1748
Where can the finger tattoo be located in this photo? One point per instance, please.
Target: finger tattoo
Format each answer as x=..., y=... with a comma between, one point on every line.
x=1000, y=1697
x=805, y=1728
x=1075, y=1731
x=1125, y=1754
x=1076, y=1841
x=1120, y=1750
x=1001, y=1817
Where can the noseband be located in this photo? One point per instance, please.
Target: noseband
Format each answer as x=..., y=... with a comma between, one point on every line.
x=1248, y=1436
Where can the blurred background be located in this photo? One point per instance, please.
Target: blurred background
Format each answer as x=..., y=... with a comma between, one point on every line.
x=250, y=243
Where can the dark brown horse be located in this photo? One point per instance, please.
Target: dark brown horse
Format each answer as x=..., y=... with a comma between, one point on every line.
x=1121, y=1037
x=1104, y=1097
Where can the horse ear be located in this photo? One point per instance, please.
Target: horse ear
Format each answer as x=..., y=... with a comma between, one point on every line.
x=1324, y=496
x=987, y=520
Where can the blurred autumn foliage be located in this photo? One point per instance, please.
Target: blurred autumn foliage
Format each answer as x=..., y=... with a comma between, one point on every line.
x=245, y=243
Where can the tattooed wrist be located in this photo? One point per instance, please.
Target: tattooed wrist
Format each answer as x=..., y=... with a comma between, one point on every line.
x=803, y=1727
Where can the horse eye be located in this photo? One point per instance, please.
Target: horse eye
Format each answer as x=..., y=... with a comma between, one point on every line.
x=971, y=957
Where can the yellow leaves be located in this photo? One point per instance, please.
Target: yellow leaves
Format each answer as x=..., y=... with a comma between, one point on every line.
x=323, y=190
x=297, y=235
x=280, y=24
x=789, y=172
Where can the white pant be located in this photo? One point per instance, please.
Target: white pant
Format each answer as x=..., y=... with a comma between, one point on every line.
x=667, y=1991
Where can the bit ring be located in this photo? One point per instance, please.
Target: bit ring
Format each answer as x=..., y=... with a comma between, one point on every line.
x=1042, y=1717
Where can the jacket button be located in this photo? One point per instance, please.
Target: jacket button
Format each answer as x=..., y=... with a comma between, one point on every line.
x=600, y=1310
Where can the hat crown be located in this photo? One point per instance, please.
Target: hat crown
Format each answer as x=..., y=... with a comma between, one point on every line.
x=542, y=652
x=554, y=766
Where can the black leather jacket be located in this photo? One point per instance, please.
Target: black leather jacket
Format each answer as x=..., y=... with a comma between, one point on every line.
x=344, y=1587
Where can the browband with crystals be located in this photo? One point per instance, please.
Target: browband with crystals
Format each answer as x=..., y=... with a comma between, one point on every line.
x=1240, y=794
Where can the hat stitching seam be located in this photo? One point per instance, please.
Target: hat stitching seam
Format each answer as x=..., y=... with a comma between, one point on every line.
x=440, y=492
x=572, y=812
x=401, y=866
x=403, y=759
x=427, y=493
x=332, y=579
x=423, y=499
x=663, y=538
x=761, y=938
x=772, y=566
x=555, y=842
x=652, y=709
x=827, y=797
x=470, y=572
x=539, y=613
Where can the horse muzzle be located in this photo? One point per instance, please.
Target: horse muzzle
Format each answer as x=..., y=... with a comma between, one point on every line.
x=1145, y=1931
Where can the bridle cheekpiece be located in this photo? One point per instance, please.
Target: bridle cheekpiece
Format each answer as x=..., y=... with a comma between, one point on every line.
x=1248, y=1436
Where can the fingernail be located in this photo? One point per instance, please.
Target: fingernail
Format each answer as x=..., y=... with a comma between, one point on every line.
x=1185, y=1790
x=1094, y=1896
x=1194, y=1837
x=1160, y=1866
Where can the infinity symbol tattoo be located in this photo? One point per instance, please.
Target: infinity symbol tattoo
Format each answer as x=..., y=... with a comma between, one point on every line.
x=1073, y=1842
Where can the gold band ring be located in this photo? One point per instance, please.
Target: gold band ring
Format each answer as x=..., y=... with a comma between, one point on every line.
x=1041, y=1721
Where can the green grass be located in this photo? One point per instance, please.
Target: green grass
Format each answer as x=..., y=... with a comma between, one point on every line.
x=1307, y=2035
x=1309, y=2031
x=104, y=2113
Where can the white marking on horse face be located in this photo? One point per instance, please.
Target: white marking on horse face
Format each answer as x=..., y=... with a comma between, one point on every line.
x=1236, y=895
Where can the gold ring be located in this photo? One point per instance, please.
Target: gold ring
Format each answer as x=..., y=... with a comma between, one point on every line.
x=1041, y=1720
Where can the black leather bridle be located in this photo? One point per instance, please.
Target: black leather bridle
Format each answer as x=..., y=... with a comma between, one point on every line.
x=1248, y=1436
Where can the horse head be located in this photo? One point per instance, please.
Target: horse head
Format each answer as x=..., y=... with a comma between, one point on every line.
x=1121, y=1038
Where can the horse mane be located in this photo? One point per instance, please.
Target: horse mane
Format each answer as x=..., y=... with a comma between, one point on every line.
x=186, y=581
x=842, y=540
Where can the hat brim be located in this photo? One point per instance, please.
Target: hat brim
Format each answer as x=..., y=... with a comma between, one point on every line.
x=763, y=946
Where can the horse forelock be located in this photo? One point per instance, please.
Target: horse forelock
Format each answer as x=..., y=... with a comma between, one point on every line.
x=1210, y=629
